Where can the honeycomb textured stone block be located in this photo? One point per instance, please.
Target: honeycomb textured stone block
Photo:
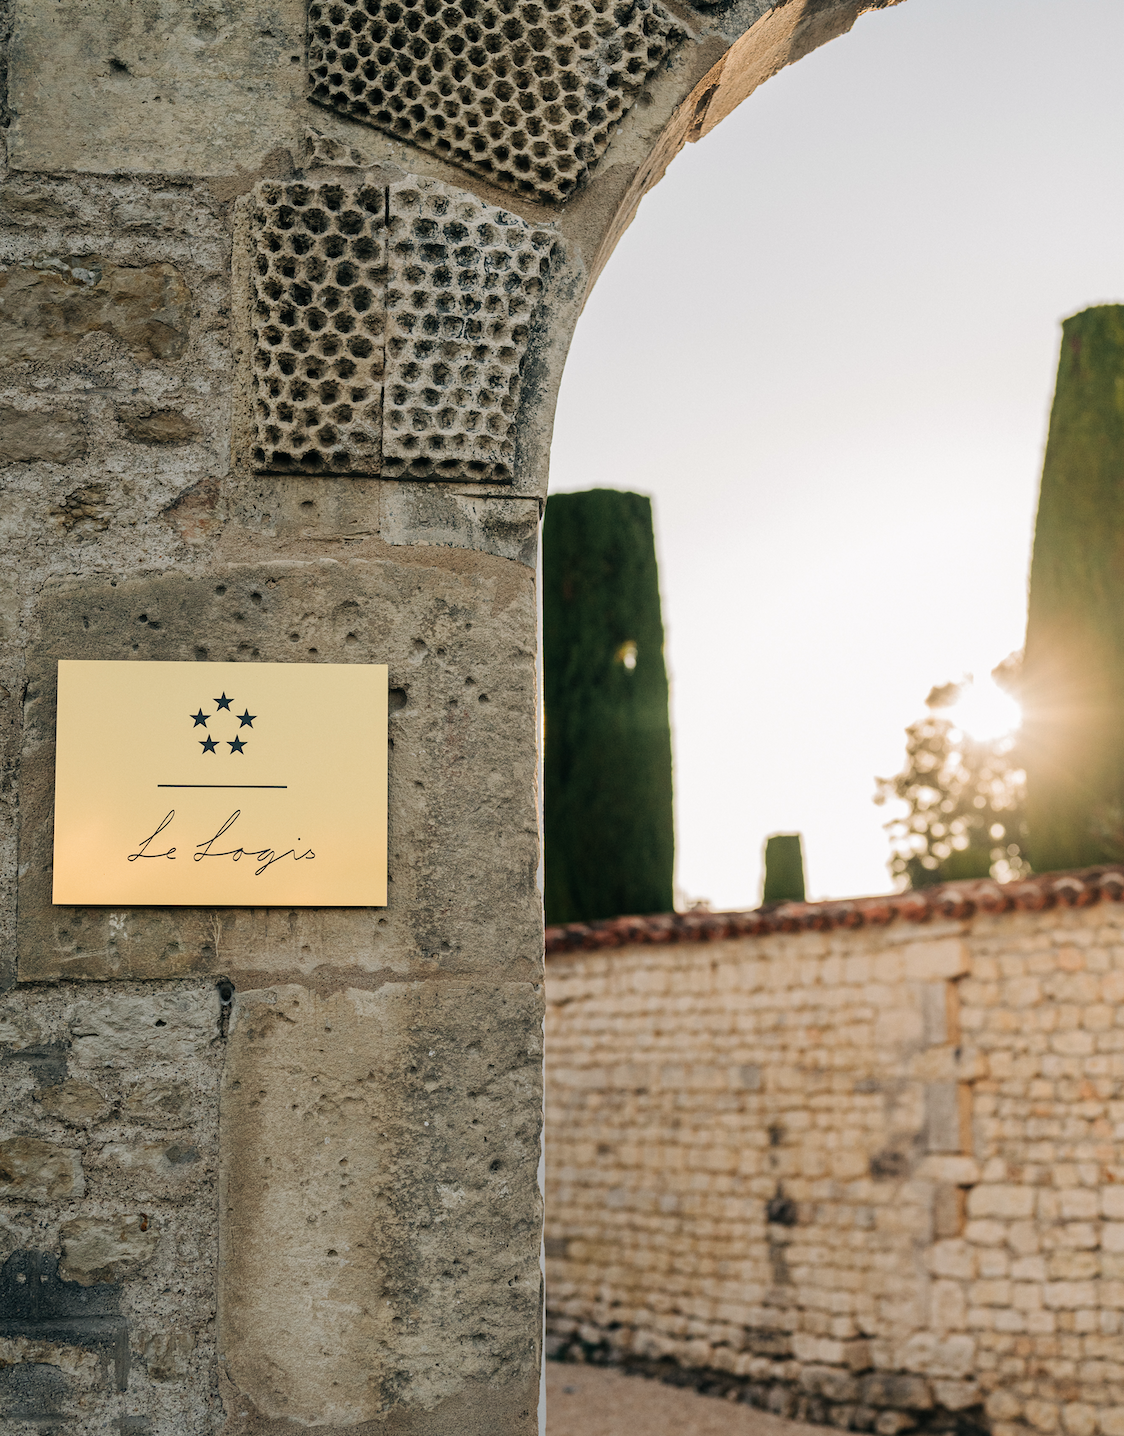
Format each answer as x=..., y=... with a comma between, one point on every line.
x=465, y=279
x=526, y=93
x=391, y=328
x=318, y=274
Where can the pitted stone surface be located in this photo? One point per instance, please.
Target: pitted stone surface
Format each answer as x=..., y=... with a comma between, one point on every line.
x=378, y=1192
x=318, y=277
x=390, y=329
x=460, y=647
x=526, y=94
x=434, y=515
x=464, y=282
x=156, y=86
x=121, y=1030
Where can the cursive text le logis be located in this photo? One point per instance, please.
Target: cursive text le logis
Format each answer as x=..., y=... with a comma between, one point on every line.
x=265, y=856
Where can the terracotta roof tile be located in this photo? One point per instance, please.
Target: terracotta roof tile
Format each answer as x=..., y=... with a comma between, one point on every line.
x=950, y=900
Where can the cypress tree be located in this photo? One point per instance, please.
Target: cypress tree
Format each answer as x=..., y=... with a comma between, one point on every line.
x=1072, y=683
x=784, y=868
x=610, y=842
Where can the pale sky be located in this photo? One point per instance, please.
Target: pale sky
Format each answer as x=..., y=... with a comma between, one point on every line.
x=826, y=348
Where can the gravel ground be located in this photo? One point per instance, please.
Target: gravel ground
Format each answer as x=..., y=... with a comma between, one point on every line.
x=598, y=1401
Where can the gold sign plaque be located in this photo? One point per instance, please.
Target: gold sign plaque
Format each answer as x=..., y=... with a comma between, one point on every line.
x=225, y=784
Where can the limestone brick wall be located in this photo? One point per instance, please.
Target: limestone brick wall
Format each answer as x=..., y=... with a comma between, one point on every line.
x=870, y=1176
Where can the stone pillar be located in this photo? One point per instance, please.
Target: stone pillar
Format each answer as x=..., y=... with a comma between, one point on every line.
x=285, y=297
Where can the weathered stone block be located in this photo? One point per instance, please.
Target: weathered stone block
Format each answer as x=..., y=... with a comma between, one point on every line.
x=153, y=86
x=1069, y=1295
x=1079, y=1418
x=166, y=1354
x=166, y=1169
x=427, y=514
x=48, y=305
x=935, y=1012
x=533, y=115
x=999, y=1200
x=159, y=1103
x=159, y=426
x=456, y=350
x=85, y=509
x=124, y=1029
x=949, y=1208
x=1042, y=1415
x=73, y=1102
x=957, y=1395
x=935, y=1354
x=898, y=1389
x=27, y=203
x=946, y=1307
x=106, y=1249
x=1003, y=1405
x=460, y=642
x=1079, y=1204
x=35, y=1171
x=1112, y=1236
x=29, y=435
x=942, y=1117
x=390, y=328
x=805, y=1345
x=936, y=958
x=957, y=1170
x=829, y=1382
x=892, y=1423
x=378, y=1191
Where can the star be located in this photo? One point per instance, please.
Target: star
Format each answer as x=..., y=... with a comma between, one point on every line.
x=246, y=719
x=208, y=746
x=200, y=718
x=236, y=744
x=223, y=702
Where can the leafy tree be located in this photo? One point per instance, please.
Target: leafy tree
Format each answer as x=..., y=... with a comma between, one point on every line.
x=965, y=800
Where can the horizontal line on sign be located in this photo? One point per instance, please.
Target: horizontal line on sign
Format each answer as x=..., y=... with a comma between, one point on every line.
x=222, y=785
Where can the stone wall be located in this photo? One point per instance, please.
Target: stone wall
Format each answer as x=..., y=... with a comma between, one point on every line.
x=109, y=1187
x=869, y=1174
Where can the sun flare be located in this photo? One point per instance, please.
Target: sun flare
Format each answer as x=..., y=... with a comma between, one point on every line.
x=984, y=711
